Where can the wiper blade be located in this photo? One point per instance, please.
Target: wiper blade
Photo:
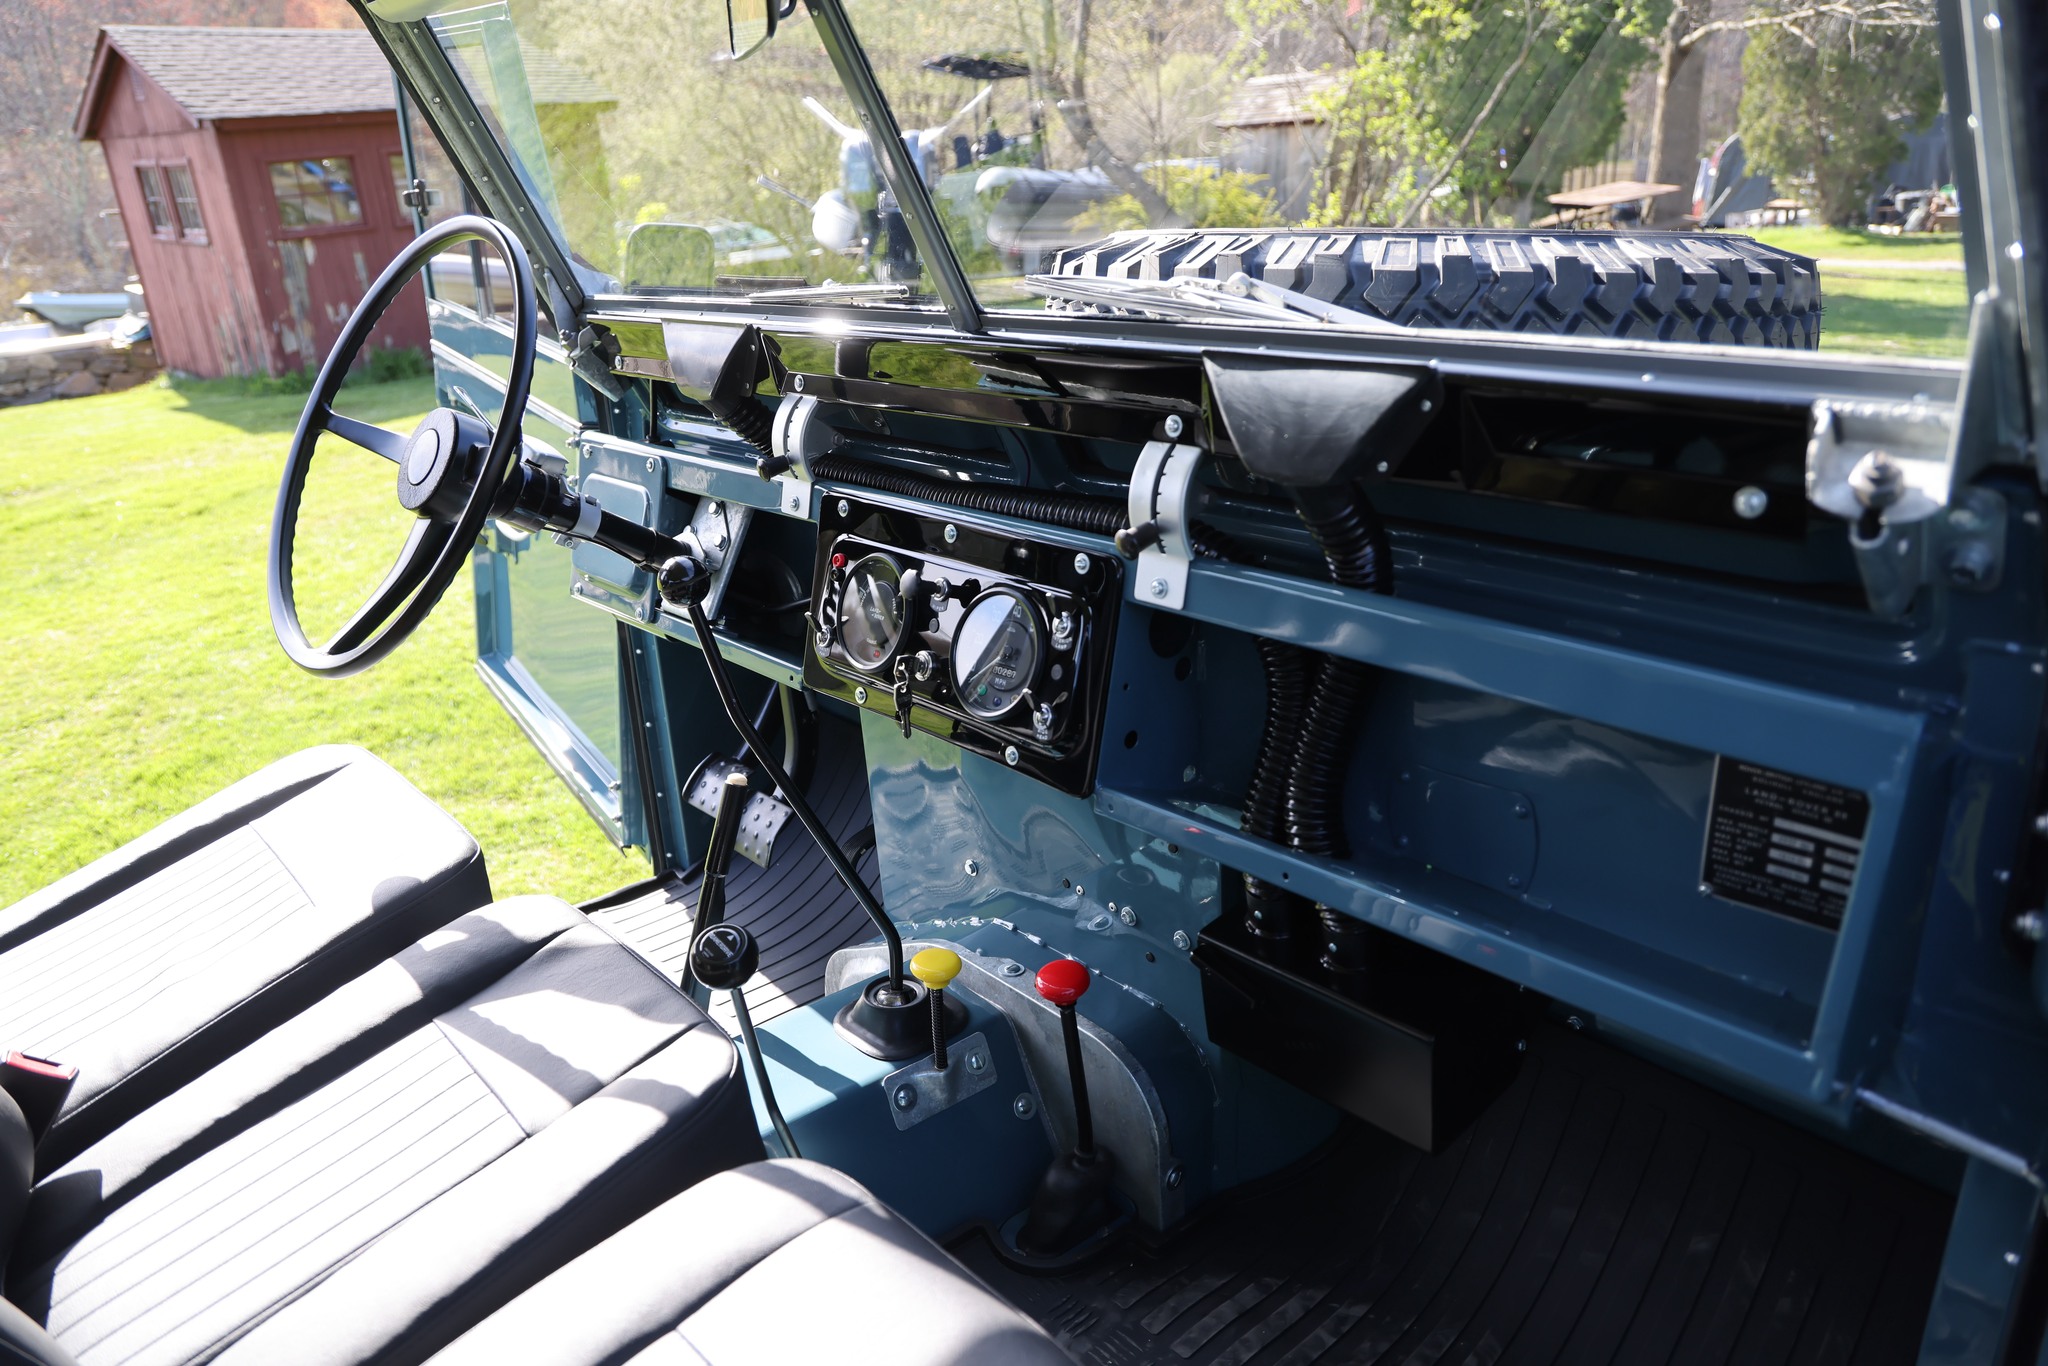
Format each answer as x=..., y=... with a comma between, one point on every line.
x=1239, y=297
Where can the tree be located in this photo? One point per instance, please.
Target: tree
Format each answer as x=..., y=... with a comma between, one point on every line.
x=1829, y=97
x=1675, y=118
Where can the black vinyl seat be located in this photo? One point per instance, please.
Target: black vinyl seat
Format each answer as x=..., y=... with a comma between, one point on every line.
x=157, y=961
x=380, y=1172
x=771, y=1264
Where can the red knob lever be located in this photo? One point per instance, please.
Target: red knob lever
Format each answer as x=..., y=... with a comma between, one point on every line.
x=1062, y=981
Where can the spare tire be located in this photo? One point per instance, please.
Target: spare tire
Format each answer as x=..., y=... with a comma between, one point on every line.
x=1680, y=287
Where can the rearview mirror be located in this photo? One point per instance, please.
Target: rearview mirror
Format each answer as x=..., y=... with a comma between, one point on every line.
x=750, y=24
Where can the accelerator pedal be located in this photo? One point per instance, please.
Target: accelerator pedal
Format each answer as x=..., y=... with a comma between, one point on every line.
x=761, y=823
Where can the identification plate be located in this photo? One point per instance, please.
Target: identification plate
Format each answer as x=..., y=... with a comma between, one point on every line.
x=1783, y=843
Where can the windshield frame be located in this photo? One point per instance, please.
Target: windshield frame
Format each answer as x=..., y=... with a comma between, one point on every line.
x=1997, y=328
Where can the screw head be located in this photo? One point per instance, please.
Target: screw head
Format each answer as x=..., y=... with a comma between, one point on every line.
x=1010, y=755
x=1181, y=941
x=1024, y=1107
x=1174, y=426
x=1157, y=588
x=845, y=508
x=1082, y=564
x=976, y=1061
x=1174, y=1176
x=1750, y=502
x=860, y=695
x=972, y=867
x=905, y=1098
x=951, y=533
x=1575, y=1021
x=2030, y=925
x=1189, y=774
x=1128, y=916
x=1011, y=968
x=796, y=382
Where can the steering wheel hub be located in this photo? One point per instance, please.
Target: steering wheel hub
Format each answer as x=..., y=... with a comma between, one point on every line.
x=422, y=453
x=438, y=472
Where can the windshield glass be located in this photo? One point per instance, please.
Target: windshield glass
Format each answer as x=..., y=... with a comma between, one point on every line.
x=1370, y=153
x=668, y=167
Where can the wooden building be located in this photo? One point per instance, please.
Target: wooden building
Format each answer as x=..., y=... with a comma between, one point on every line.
x=258, y=176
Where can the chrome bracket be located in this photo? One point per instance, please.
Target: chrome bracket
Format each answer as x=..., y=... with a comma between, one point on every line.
x=1162, y=485
x=1889, y=471
x=800, y=436
x=917, y=1092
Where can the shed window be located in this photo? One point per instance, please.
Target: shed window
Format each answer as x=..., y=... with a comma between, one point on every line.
x=154, y=200
x=185, y=199
x=316, y=193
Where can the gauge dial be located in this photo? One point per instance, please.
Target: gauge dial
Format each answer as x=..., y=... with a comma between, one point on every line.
x=996, y=652
x=871, y=612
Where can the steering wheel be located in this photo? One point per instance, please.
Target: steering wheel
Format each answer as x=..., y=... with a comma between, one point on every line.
x=449, y=471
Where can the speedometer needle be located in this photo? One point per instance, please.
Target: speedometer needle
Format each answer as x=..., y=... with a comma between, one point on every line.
x=865, y=585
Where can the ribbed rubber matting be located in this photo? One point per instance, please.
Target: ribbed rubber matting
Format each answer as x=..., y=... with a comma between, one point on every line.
x=1601, y=1211
x=798, y=910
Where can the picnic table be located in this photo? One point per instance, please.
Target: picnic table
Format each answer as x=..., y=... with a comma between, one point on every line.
x=1577, y=205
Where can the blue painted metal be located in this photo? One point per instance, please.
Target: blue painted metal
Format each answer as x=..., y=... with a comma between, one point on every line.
x=1994, y=1219
x=974, y=1163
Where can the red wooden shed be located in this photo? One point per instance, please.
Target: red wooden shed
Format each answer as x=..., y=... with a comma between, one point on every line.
x=258, y=175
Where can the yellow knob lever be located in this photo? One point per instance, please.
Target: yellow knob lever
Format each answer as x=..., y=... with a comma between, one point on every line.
x=936, y=968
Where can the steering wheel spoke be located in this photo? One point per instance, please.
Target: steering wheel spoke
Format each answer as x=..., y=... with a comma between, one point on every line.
x=423, y=545
x=370, y=437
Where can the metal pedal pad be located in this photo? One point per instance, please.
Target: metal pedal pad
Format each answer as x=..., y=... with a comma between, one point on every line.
x=760, y=823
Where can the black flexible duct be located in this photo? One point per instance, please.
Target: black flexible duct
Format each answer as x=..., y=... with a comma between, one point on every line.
x=1099, y=515
x=1353, y=541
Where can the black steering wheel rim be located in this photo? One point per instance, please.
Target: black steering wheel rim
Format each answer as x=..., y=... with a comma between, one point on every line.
x=438, y=547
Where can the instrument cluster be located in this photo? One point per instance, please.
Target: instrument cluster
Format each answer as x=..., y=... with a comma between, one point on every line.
x=997, y=643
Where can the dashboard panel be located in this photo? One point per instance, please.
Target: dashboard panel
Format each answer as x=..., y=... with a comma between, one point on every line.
x=995, y=642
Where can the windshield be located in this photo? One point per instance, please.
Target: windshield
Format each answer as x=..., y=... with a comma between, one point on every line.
x=1756, y=172
x=668, y=167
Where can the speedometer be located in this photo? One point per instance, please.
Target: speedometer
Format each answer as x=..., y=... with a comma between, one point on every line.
x=871, y=612
x=996, y=652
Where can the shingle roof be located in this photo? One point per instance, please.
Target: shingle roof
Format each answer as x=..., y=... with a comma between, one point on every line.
x=1289, y=98
x=262, y=73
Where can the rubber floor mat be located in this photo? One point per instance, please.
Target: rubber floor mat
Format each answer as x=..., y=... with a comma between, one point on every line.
x=798, y=910
x=1602, y=1210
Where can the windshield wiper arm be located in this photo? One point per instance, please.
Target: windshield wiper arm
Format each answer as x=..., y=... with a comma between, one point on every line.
x=852, y=291
x=1239, y=297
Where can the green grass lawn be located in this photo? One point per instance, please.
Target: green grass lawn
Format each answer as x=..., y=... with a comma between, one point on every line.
x=1876, y=301
x=140, y=673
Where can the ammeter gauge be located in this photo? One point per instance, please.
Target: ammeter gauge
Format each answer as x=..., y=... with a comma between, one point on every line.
x=871, y=610
x=997, y=652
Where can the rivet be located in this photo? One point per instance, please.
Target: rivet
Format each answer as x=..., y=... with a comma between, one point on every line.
x=952, y=533
x=906, y=1098
x=1082, y=564
x=1024, y=1107
x=845, y=508
x=1010, y=755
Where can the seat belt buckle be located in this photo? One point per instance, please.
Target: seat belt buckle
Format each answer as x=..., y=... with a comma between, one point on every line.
x=38, y=1086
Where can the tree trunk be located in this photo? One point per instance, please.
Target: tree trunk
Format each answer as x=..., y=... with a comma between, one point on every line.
x=1675, y=120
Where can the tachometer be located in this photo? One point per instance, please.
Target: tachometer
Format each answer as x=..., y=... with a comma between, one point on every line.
x=871, y=611
x=996, y=652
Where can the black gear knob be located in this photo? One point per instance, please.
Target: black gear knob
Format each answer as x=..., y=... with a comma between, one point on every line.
x=683, y=580
x=724, y=957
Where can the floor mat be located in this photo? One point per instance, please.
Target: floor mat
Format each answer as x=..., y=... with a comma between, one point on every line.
x=1601, y=1211
x=798, y=910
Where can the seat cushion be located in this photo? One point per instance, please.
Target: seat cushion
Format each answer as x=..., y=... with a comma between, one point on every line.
x=380, y=1173
x=772, y=1263
x=156, y=962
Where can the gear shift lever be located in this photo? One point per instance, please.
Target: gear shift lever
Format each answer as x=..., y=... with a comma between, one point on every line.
x=723, y=958
x=1072, y=1201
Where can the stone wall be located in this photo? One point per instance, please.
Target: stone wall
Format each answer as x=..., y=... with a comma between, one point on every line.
x=71, y=367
